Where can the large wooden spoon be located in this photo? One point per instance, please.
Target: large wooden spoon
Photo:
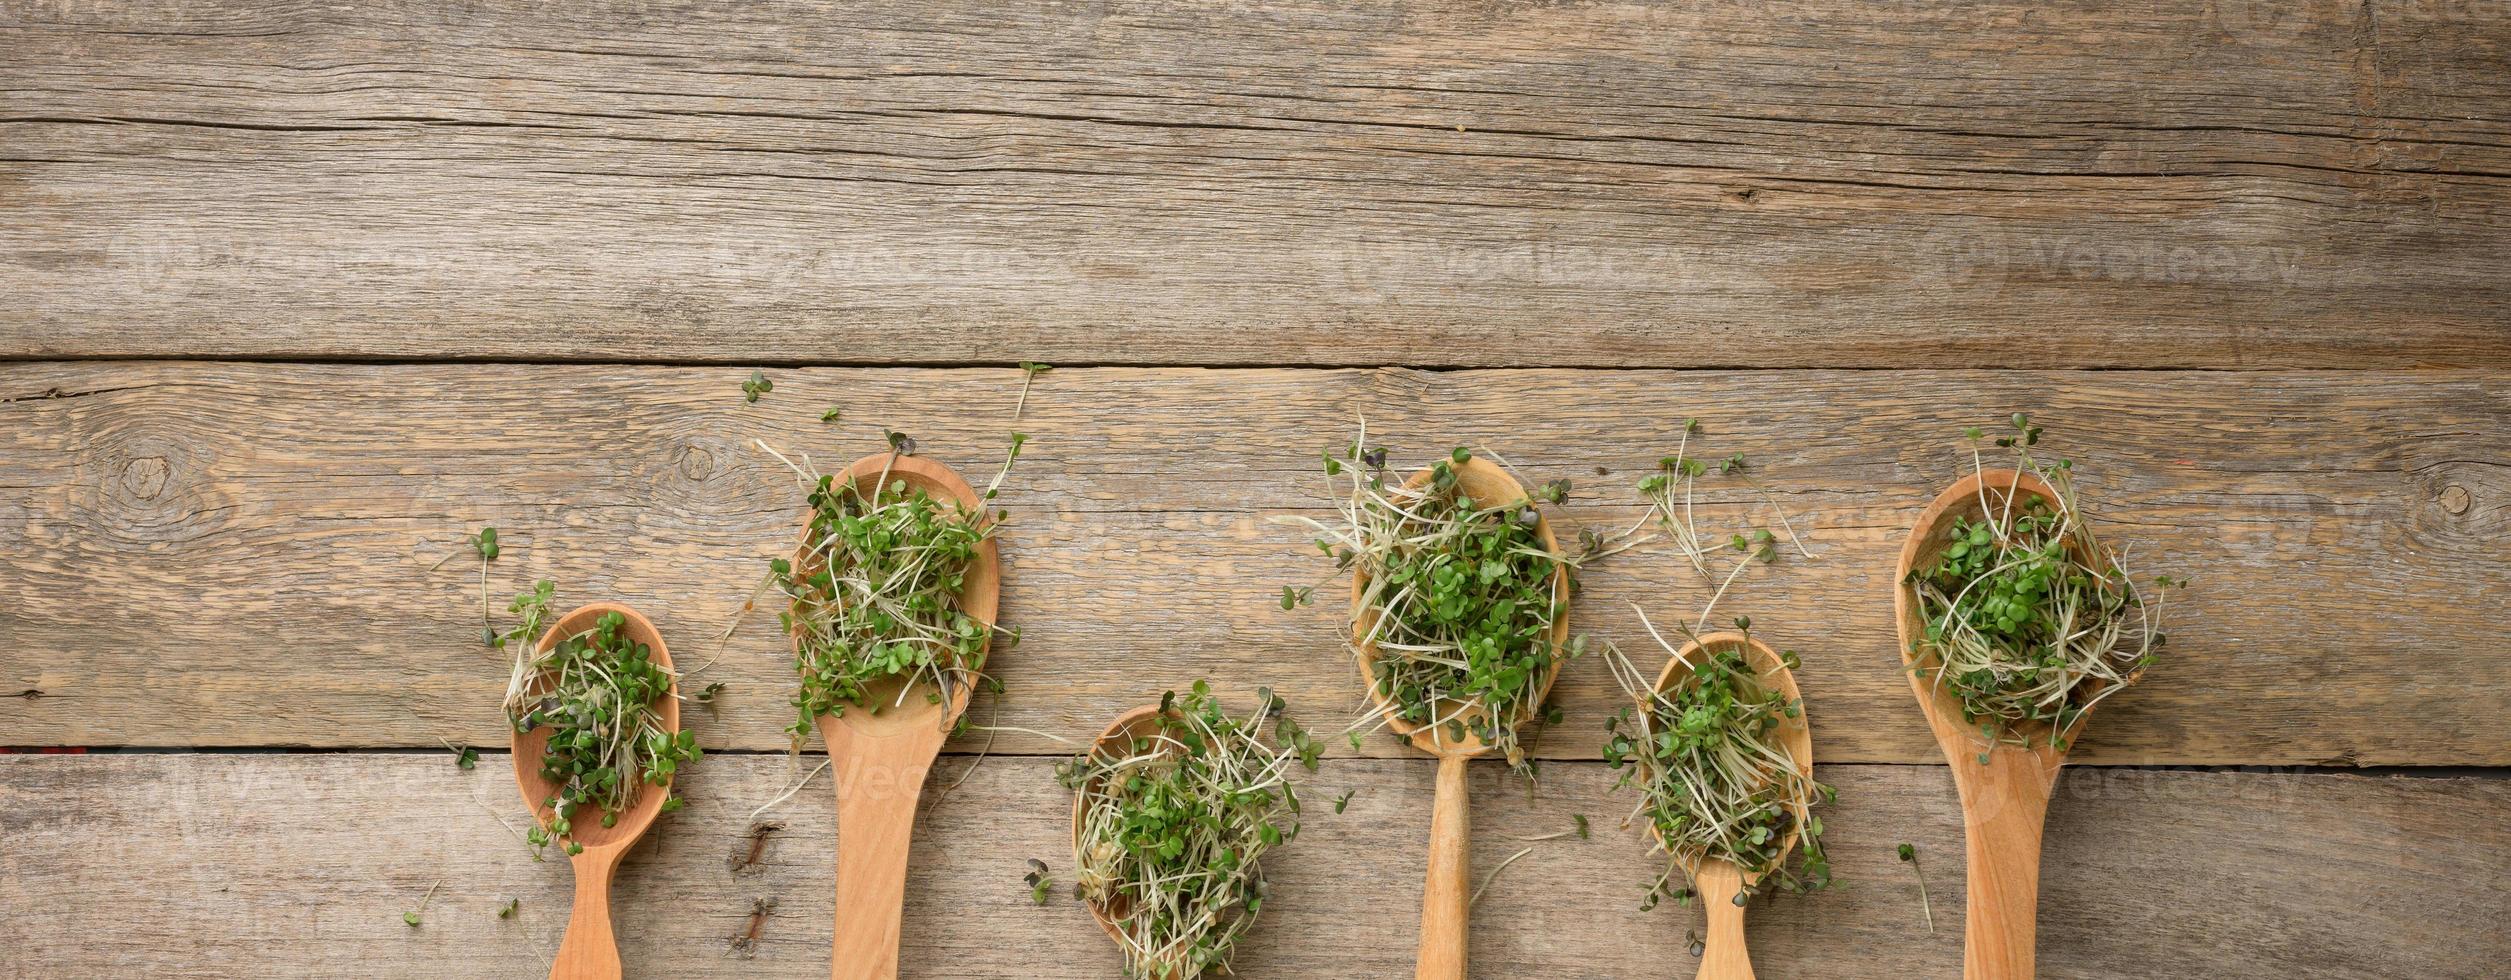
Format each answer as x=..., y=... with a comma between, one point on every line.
x=590, y=951
x=2005, y=801
x=1724, y=956
x=1447, y=889
x=880, y=758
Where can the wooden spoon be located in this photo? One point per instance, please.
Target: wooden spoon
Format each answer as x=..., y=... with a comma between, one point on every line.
x=590, y=952
x=1142, y=722
x=1447, y=889
x=2005, y=801
x=880, y=759
x=1723, y=956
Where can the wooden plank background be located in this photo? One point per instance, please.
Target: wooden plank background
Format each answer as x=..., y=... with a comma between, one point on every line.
x=300, y=866
x=1729, y=183
x=265, y=534
x=294, y=295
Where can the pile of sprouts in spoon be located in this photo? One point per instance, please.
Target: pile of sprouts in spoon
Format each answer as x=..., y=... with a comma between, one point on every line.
x=1172, y=827
x=1716, y=779
x=1458, y=602
x=595, y=690
x=875, y=593
x=2030, y=622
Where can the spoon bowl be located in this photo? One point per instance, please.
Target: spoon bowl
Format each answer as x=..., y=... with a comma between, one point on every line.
x=1139, y=723
x=1447, y=884
x=590, y=951
x=1487, y=485
x=880, y=758
x=2005, y=798
x=1724, y=955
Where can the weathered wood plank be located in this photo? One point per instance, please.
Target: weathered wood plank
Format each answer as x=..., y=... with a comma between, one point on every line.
x=226, y=554
x=300, y=865
x=1834, y=183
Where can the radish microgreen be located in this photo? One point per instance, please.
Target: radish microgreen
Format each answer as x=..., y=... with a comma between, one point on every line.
x=1716, y=781
x=875, y=593
x=1455, y=619
x=1174, y=826
x=596, y=691
x=2030, y=622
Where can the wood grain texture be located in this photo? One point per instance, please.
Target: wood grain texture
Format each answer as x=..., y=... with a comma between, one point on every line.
x=262, y=865
x=231, y=554
x=1834, y=183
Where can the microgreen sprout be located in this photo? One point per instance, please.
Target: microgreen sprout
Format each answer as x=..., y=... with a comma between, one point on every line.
x=1909, y=854
x=707, y=695
x=596, y=691
x=756, y=386
x=411, y=917
x=1039, y=880
x=1029, y=371
x=832, y=415
x=1174, y=824
x=484, y=544
x=1672, y=493
x=506, y=911
x=1458, y=601
x=2030, y=622
x=875, y=594
x=1716, y=780
x=464, y=756
x=1344, y=800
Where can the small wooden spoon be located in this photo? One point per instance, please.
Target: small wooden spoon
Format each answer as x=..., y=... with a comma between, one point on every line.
x=590, y=951
x=1447, y=889
x=880, y=759
x=1142, y=722
x=2004, y=802
x=1723, y=956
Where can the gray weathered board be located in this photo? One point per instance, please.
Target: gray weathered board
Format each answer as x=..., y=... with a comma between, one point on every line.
x=2239, y=183
x=301, y=865
x=221, y=554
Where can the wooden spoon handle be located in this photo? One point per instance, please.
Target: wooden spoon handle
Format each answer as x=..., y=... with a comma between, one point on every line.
x=589, y=952
x=1723, y=955
x=878, y=782
x=2003, y=808
x=1447, y=892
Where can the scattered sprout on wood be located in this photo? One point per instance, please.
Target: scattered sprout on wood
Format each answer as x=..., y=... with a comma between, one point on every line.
x=1040, y=881
x=1459, y=602
x=2030, y=622
x=1174, y=825
x=506, y=911
x=707, y=695
x=1909, y=854
x=1344, y=800
x=876, y=594
x=1672, y=495
x=596, y=691
x=756, y=386
x=1476, y=899
x=411, y=917
x=1716, y=781
x=484, y=544
x=465, y=757
x=832, y=415
x=1029, y=371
